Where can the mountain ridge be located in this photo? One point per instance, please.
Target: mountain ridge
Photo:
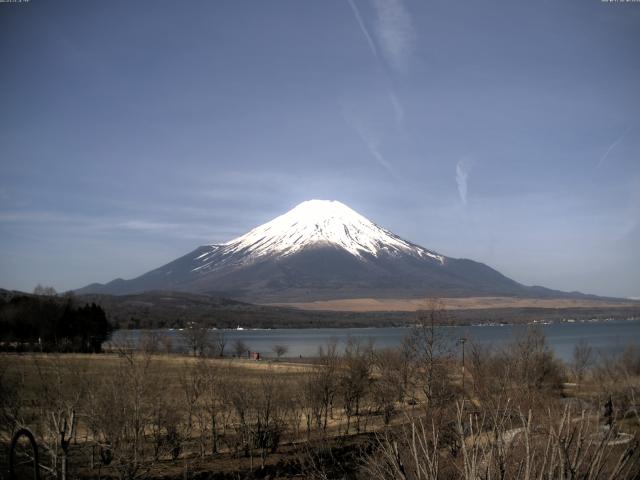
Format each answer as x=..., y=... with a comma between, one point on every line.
x=323, y=250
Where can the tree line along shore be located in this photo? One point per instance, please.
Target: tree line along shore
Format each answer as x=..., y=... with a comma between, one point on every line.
x=156, y=310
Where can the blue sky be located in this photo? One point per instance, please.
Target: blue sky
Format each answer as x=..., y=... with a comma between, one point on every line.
x=506, y=132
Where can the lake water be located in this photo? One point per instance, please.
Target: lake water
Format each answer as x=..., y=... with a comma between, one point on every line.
x=605, y=337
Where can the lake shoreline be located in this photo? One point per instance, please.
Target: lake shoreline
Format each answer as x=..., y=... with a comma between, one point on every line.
x=607, y=336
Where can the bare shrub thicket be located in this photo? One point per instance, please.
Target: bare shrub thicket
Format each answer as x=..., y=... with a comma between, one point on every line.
x=392, y=380
x=202, y=341
x=565, y=445
x=431, y=347
x=524, y=372
x=121, y=410
x=581, y=360
x=61, y=389
x=618, y=381
x=320, y=388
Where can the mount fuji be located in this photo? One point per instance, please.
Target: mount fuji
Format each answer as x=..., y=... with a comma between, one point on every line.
x=322, y=250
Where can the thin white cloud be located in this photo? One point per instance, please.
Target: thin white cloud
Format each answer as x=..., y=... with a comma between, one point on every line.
x=612, y=146
x=87, y=225
x=363, y=29
x=398, y=109
x=147, y=226
x=395, y=33
x=373, y=147
x=369, y=140
x=396, y=105
x=462, y=174
x=39, y=217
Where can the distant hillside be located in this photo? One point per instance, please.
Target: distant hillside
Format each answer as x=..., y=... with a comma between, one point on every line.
x=175, y=309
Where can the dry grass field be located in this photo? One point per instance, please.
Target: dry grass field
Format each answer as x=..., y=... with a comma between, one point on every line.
x=169, y=369
x=470, y=303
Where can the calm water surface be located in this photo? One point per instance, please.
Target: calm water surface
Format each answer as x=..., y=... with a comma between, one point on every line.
x=605, y=337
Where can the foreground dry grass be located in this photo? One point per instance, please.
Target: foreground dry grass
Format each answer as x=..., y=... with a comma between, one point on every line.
x=169, y=368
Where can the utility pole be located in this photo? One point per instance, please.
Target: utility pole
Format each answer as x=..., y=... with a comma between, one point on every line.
x=462, y=342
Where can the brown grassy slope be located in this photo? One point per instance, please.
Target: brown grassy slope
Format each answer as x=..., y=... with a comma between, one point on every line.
x=470, y=303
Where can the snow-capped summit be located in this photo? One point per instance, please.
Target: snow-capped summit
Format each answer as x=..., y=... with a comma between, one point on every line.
x=322, y=222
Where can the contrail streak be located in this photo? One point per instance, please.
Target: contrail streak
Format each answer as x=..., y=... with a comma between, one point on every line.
x=363, y=28
x=612, y=146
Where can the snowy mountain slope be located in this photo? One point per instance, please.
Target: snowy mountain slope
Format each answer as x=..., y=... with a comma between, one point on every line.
x=327, y=221
x=321, y=250
x=310, y=224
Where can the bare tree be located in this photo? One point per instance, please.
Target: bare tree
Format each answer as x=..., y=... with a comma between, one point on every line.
x=197, y=338
x=193, y=385
x=240, y=348
x=431, y=348
x=240, y=399
x=582, y=359
x=390, y=385
x=534, y=366
x=322, y=384
x=218, y=342
x=493, y=379
x=167, y=344
x=61, y=389
x=355, y=379
x=166, y=427
x=213, y=401
x=120, y=414
x=45, y=291
x=280, y=350
x=270, y=414
x=150, y=341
